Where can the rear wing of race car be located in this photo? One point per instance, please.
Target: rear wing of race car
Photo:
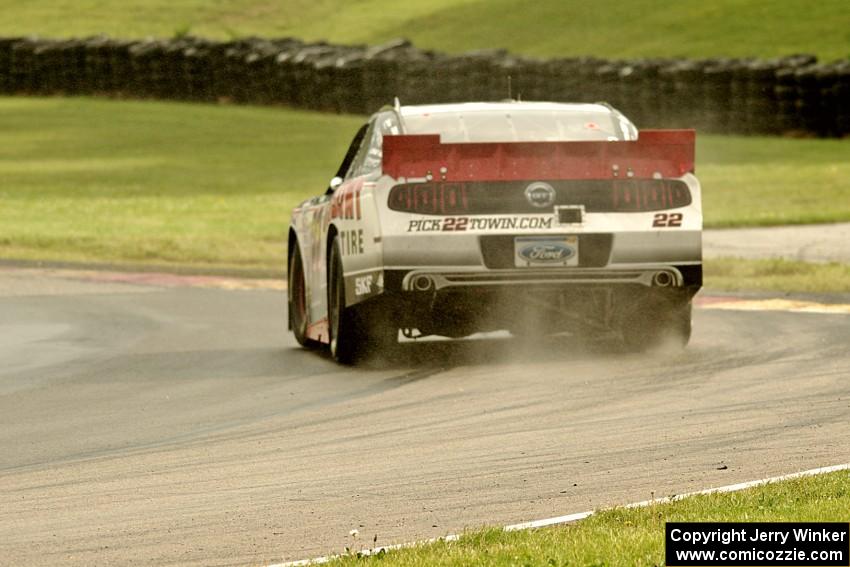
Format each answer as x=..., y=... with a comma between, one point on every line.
x=657, y=153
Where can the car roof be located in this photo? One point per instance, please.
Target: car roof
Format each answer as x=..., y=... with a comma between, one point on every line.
x=507, y=106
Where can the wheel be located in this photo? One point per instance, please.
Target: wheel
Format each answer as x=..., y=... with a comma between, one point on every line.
x=360, y=331
x=664, y=325
x=298, y=300
x=342, y=325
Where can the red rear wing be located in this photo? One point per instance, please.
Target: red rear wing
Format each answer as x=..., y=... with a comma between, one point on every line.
x=669, y=153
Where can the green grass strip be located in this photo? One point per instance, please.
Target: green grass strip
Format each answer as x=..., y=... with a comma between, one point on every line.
x=732, y=274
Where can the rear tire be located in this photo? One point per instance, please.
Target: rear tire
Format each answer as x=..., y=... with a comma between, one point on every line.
x=298, y=299
x=343, y=329
x=359, y=331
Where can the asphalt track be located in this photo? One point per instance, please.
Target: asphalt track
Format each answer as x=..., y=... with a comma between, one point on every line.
x=150, y=422
x=807, y=243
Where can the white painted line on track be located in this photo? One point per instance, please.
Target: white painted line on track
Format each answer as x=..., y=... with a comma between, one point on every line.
x=570, y=518
x=730, y=488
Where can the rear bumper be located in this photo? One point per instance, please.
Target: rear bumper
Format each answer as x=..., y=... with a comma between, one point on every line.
x=459, y=278
x=441, y=261
x=437, y=280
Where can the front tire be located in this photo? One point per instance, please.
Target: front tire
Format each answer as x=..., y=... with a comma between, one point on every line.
x=298, y=299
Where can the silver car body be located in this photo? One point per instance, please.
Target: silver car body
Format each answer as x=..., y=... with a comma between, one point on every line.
x=525, y=151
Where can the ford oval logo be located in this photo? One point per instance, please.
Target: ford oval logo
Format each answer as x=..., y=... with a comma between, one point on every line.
x=540, y=194
x=546, y=252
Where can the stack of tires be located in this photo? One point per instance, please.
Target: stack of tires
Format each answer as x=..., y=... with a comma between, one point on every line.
x=793, y=94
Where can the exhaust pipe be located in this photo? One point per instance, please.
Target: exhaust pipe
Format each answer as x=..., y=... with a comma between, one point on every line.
x=662, y=279
x=423, y=283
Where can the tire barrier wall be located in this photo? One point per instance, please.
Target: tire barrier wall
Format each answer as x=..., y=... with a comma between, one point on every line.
x=794, y=94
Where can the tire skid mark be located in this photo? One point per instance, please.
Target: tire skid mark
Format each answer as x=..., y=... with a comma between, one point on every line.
x=416, y=375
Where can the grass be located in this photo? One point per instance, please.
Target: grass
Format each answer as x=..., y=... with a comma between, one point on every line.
x=751, y=181
x=630, y=537
x=730, y=274
x=139, y=182
x=212, y=186
x=605, y=28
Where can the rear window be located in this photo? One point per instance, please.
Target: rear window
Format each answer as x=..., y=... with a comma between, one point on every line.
x=519, y=126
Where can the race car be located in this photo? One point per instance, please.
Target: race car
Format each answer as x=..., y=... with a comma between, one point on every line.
x=533, y=217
